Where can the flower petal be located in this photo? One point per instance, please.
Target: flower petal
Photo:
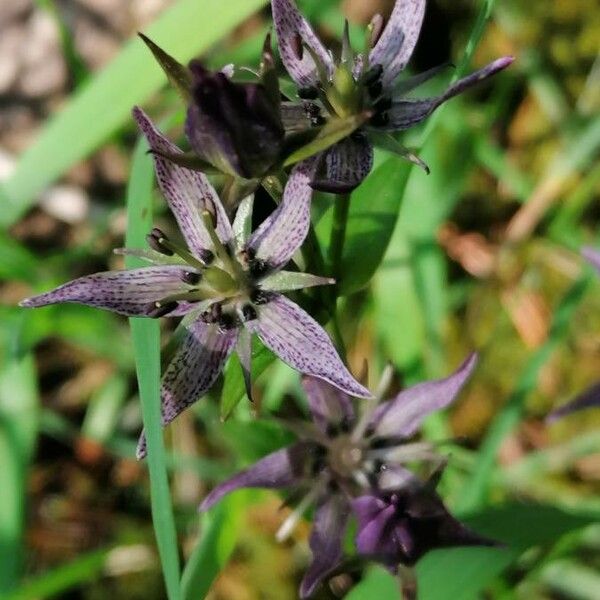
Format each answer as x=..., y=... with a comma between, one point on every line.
x=592, y=256
x=325, y=541
x=286, y=281
x=124, y=292
x=343, y=167
x=196, y=365
x=301, y=342
x=590, y=398
x=187, y=192
x=244, y=352
x=283, y=232
x=397, y=42
x=406, y=113
x=242, y=224
x=328, y=404
x=403, y=415
x=290, y=24
x=279, y=469
x=375, y=532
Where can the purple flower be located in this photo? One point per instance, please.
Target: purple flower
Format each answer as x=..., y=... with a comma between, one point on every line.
x=341, y=456
x=354, y=84
x=234, y=126
x=226, y=283
x=399, y=527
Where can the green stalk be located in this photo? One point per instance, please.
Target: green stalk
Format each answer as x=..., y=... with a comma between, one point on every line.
x=146, y=342
x=338, y=235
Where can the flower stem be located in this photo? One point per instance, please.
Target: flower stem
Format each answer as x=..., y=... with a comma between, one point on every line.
x=338, y=235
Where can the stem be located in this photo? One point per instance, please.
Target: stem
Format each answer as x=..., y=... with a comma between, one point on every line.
x=338, y=234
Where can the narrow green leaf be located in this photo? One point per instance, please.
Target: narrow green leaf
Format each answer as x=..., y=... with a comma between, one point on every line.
x=187, y=28
x=373, y=213
x=331, y=133
x=377, y=583
x=233, y=388
x=219, y=535
x=56, y=583
x=146, y=343
x=179, y=76
x=19, y=406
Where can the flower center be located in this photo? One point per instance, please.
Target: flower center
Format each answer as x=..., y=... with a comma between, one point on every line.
x=345, y=456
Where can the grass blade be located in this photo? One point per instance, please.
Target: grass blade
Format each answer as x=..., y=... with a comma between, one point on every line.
x=188, y=28
x=146, y=343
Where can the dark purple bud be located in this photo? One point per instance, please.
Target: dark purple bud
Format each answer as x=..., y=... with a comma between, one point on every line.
x=234, y=126
x=156, y=239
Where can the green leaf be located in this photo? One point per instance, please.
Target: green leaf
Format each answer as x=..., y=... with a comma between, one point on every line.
x=179, y=76
x=377, y=583
x=146, y=344
x=373, y=213
x=233, y=388
x=219, y=535
x=330, y=134
x=187, y=28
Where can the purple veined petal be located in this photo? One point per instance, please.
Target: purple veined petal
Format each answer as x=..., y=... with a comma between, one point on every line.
x=286, y=281
x=403, y=415
x=327, y=534
x=590, y=398
x=406, y=113
x=302, y=343
x=376, y=527
x=280, y=469
x=196, y=365
x=343, y=167
x=397, y=42
x=592, y=256
x=125, y=292
x=283, y=232
x=328, y=405
x=187, y=192
x=290, y=24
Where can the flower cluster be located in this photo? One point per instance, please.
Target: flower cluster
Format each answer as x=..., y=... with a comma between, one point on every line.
x=228, y=280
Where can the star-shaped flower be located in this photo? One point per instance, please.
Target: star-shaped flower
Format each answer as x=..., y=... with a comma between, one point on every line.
x=354, y=84
x=227, y=284
x=342, y=456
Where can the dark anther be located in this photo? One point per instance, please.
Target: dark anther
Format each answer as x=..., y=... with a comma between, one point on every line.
x=369, y=431
x=332, y=430
x=206, y=256
x=312, y=110
x=258, y=268
x=155, y=240
x=375, y=90
x=259, y=297
x=158, y=309
x=308, y=93
x=191, y=278
x=213, y=314
x=379, y=443
x=317, y=466
x=373, y=75
x=249, y=312
x=380, y=119
x=226, y=321
x=297, y=47
x=383, y=104
x=379, y=466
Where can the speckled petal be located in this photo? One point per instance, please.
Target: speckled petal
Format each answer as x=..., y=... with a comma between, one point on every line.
x=289, y=24
x=301, y=342
x=398, y=40
x=283, y=232
x=195, y=367
x=326, y=537
x=406, y=113
x=187, y=192
x=403, y=415
x=124, y=292
x=279, y=469
x=343, y=167
x=592, y=256
x=328, y=405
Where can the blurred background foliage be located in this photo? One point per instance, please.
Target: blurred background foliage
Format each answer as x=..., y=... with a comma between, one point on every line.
x=484, y=255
